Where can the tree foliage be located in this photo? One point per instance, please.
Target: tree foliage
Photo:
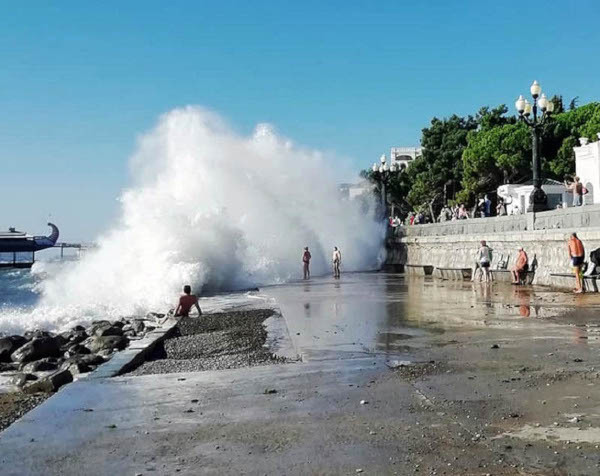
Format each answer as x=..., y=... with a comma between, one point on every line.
x=465, y=157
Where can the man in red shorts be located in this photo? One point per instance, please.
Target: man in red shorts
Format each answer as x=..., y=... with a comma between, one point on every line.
x=186, y=302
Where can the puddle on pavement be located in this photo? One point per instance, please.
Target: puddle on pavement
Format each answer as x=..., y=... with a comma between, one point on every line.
x=388, y=313
x=551, y=433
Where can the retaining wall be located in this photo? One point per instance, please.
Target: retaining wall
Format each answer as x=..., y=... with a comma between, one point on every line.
x=543, y=235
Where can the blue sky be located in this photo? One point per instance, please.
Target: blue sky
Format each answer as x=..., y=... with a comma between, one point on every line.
x=80, y=80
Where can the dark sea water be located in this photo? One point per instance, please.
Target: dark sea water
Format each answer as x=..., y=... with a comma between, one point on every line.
x=18, y=288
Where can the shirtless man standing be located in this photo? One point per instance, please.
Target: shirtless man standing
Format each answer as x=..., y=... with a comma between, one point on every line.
x=337, y=261
x=186, y=302
x=306, y=263
x=577, y=255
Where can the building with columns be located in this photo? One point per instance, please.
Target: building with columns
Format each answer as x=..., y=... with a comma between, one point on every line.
x=404, y=155
x=587, y=168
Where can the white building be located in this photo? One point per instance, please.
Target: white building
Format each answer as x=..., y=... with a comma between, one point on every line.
x=404, y=155
x=516, y=195
x=587, y=168
x=350, y=191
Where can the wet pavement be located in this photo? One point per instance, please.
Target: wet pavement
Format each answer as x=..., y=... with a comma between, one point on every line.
x=397, y=376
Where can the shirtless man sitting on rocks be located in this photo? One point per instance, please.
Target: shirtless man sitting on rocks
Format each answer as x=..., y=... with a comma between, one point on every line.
x=186, y=302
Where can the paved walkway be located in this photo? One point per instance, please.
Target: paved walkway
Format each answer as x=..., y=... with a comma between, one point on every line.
x=503, y=381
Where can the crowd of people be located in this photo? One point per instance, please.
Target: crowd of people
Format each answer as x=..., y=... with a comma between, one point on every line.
x=484, y=208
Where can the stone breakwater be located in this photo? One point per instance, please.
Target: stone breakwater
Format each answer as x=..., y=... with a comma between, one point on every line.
x=549, y=247
x=37, y=363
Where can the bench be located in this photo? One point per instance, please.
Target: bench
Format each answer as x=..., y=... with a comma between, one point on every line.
x=567, y=281
x=505, y=276
x=418, y=269
x=457, y=274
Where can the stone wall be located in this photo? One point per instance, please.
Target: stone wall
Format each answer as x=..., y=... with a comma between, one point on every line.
x=454, y=244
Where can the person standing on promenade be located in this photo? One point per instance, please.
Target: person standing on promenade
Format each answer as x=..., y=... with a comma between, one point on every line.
x=306, y=262
x=577, y=188
x=484, y=256
x=186, y=302
x=576, y=255
x=521, y=266
x=337, y=261
x=487, y=206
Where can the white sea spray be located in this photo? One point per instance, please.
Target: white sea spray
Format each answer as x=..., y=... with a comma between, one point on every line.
x=213, y=209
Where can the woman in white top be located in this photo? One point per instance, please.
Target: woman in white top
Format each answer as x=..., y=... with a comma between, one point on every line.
x=485, y=259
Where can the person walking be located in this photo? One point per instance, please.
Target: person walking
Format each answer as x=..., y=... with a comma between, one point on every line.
x=576, y=255
x=521, y=266
x=484, y=256
x=306, y=262
x=337, y=261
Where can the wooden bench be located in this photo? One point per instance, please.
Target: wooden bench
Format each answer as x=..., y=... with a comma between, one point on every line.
x=418, y=269
x=456, y=274
x=567, y=281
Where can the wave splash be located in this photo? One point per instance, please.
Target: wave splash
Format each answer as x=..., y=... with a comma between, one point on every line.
x=213, y=209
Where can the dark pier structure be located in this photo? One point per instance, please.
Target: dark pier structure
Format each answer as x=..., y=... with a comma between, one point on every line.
x=17, y=248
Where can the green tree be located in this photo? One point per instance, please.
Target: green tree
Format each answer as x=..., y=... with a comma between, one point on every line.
x=440, y=166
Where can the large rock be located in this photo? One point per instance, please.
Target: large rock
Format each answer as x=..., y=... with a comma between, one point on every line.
x=8, y=345
x=36, y=334
x=21, y=379
x=100, y=343
x=8, y=367
x=75, y=365
x=76, y=349
x=51, y=383
x=42, y=365
x=36, y=349
x=106, y=329
x=78, y=337
x=92, y=359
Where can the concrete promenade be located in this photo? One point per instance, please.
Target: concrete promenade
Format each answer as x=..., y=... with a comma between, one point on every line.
x=501, y=380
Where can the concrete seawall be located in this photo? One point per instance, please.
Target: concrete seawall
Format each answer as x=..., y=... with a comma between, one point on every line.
x=543, y=235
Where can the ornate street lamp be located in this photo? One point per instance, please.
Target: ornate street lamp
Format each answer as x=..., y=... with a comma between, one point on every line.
x=382, y=174
x=528, y=113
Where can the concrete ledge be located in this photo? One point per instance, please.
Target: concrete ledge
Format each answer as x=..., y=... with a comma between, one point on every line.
x=135, y=354
x=278, y=337
x=457, y=274
x=567, y=281
x=505, y=276
x=418, y=269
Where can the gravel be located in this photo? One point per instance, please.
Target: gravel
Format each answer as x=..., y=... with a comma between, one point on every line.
x=224, y=340
x=13, y=405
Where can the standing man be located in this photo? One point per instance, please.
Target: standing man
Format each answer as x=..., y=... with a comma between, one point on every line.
x=576, y=254
x=186, y=302
x=337, y=261
x=487, y=206
x=306, y=262
x=576, y=188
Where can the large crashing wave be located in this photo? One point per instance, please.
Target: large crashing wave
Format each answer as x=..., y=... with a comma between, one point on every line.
x=213, y=209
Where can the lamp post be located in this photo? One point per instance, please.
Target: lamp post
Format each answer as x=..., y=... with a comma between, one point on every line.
x=528, y=113
x=382, y=174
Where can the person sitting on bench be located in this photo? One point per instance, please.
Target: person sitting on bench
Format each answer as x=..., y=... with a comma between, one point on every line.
x=521, y=266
